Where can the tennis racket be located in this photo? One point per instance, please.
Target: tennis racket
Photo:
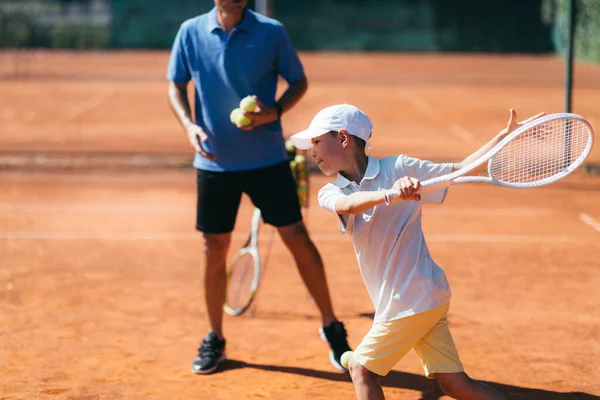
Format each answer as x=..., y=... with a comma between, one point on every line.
x=243, y=276
x=535, y=154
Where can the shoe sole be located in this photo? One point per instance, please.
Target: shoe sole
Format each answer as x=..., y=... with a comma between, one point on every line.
x=209, y=371
x=332, y=359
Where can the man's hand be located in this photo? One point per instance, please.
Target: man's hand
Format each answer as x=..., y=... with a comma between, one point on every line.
x=261, y=116
x=197, y=136
x=404, y=189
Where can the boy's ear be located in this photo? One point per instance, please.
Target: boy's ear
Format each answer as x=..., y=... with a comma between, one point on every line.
x=344, y=137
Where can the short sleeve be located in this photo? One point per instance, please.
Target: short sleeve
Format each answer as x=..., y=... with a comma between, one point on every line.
x=178, y=70
x=424, y=170
x=288, y=63
x=328, y=197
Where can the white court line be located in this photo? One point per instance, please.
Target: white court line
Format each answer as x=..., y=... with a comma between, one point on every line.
x=183, y=236
x=65, y=207
x=461, y=133
x=87, y=105
x=423, y=106
x=590, y=221
x=170, y=208
x=426, y=109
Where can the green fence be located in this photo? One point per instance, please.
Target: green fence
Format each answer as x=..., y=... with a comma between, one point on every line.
x=515, y=26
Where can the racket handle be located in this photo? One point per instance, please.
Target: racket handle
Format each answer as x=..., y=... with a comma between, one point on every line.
x=433, y=186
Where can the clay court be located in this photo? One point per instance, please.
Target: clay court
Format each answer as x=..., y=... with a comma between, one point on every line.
x=100, y=274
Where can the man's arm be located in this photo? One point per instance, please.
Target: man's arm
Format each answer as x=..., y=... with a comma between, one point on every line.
x=293, y=94
x=510, y=127
x=288, y=99
x=180, y=104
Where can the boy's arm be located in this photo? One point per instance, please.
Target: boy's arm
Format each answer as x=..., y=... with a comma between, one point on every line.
x=355, y=203
x=510, y=127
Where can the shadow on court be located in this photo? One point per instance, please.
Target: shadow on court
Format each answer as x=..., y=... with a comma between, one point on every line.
x=429, y=388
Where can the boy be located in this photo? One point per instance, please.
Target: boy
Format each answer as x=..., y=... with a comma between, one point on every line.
x=377, y=202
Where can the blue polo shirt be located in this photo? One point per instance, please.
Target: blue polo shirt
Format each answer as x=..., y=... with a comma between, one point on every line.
x=225, y=68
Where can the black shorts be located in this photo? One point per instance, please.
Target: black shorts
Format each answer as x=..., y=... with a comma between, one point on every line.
x=272, y=189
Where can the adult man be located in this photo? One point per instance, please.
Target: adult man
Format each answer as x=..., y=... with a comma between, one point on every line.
x=229, y=53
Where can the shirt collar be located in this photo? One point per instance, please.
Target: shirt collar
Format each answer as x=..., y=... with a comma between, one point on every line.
x=371, y=173
x=247, y=21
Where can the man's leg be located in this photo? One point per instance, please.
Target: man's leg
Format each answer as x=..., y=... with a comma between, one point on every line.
x=310, y=266
x=215, y=278
x=218, y=202
x=273, y=191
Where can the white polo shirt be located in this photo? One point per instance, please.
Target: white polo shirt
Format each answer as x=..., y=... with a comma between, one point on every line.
x=398, y=271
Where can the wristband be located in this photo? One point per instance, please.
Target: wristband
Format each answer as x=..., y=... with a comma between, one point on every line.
x=389, y=195
x=279, y=109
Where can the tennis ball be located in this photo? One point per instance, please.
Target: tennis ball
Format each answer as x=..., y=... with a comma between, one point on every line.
x=289, y=146
x=345, y=359
x=300, y=159
x=248, y=104
x=238, y=118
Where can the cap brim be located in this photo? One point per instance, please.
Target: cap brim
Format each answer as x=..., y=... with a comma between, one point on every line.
x=303, y=140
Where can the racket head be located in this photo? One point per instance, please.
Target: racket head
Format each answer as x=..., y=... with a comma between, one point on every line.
x=542, y=152
x=243, y=278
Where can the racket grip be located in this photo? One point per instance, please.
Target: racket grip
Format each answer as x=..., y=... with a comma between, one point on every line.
x=433, y=186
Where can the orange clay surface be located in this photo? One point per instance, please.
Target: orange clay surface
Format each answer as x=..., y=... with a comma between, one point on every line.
x=100, y=272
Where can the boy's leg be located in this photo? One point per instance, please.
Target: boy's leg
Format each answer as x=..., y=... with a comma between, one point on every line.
x=460, y=386
x=441, y=362
x=383, y=347
x=366, y=383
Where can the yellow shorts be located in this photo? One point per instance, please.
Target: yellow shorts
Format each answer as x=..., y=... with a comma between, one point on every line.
x=388, y=342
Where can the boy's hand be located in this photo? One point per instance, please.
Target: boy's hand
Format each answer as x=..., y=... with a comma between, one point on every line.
x=405, y=189
x=512, y=124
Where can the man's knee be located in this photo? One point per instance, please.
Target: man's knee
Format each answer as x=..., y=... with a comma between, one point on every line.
x=295, y=234
x=216, y=245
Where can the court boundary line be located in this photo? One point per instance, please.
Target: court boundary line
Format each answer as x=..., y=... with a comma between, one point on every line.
x=425, y=108
x=589, y=221
x=171, y=208
x=324, y=237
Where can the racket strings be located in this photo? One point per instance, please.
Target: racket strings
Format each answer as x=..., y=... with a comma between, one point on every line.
x=240, y=282
x=541, y=152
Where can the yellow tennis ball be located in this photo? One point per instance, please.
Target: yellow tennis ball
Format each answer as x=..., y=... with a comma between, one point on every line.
x=345, y=359
x=238, y=118
x=248, y=104
x=242, y=120
x=289, y=146
x=300, y=159
x=234, y=115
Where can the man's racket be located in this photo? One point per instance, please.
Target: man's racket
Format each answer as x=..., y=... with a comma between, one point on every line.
x=243, y=276
x=536, y=154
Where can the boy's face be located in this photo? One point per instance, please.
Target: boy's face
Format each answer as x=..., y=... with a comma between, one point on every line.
x=327, y=151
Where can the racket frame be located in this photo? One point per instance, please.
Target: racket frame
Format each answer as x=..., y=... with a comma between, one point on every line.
x=249, y=247
x=447, y=180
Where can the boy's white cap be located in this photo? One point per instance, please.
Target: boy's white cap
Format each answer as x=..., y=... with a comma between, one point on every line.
x=335, y=118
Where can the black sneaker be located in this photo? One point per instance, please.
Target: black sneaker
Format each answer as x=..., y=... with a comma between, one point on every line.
x=210, y=354
x=335, y=334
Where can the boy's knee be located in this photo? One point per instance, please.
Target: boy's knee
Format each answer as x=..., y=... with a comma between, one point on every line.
x=360, y=373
